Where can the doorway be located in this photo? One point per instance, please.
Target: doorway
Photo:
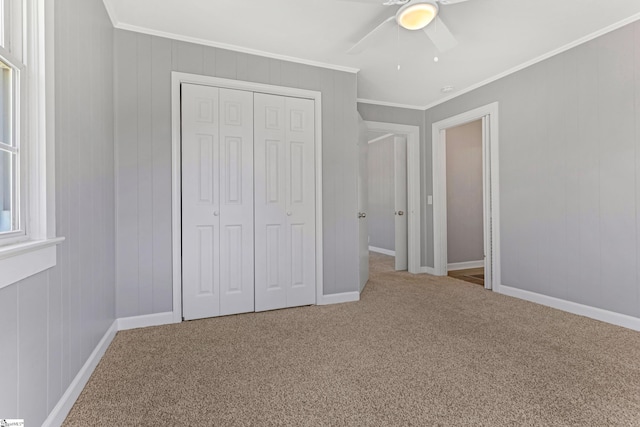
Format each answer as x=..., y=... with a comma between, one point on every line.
x=387, y=221
x=465, y=237
x=410, y=135
x=487, y=116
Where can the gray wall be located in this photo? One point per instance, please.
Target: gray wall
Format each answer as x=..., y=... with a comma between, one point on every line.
x=570, y=172
x=143, y=66
x=51, y=322
x=405, y=116
x=465, y=227
x=381, y=222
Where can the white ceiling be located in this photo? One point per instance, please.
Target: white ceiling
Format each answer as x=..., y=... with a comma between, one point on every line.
x=494, y=36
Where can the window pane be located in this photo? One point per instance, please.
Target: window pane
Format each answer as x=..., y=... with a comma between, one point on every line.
x=7, y=195
x=5, y=105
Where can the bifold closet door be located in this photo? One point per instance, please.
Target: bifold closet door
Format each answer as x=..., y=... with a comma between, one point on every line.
x=217, y=201
x=284, y=157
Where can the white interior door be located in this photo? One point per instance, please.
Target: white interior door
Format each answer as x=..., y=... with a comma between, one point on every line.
x=284, y=202
x=236, y=202
x=400, y=199
x=217, y=201
x=363, y=202
x=200, y=202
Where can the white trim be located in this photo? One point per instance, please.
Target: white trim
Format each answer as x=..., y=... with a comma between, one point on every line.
x=380, y=138
x=235, y=48
x=61, y=410
x=27, y=246
x=427, y=270
x=177, y=79
x=572, y=307
x=382, y=251
x=17, y=262
x=111, y=12
x=135, y=322
x=413, y=185
x=491, y=198
x=389, y=104
x=454, y=266
x=339, y=298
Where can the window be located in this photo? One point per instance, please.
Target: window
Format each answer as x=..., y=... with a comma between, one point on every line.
x=12, y=206
x=27, y=178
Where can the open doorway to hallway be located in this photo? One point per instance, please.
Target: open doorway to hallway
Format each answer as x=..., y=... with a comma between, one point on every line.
x=489, y=178
x=465, y=225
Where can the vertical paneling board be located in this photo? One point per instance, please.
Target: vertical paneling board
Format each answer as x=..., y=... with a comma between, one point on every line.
x=127, y=187
x=145, y=175
x=161, y=132
x=569, y=168
x=9, y=355
x=143, y=146
x=52, y=321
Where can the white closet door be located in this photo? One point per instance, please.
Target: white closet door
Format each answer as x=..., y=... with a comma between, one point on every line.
x=200, y=202
x=284, y=202
x=217, y=201
x=236, y=202
x=272, y=273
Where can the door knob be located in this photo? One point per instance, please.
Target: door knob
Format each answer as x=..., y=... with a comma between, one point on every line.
x=216, y=213
x=400, y=213
x=362, y=215
x=289, y=213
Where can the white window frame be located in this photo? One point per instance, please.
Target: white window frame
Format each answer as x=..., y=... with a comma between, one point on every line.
x=36, y=250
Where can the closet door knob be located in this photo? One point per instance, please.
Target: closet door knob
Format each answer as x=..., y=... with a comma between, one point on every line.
x=216, y=213
x=289, y=213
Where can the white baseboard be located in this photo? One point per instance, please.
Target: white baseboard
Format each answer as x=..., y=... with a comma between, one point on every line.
x=134, y=322
x=339, y=298
x=465, y=265
x=572, y=307
x=427, y=270
x=382, y=251
x=61, y=410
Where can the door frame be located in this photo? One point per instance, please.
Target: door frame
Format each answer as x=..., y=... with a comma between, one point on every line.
x=490, y=185
x=412, y=133
x=177, y=78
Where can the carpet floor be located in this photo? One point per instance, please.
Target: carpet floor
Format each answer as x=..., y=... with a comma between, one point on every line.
x=415, y=350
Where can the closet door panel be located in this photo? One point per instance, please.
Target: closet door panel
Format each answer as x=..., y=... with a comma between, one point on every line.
x=272, y=274
x=236, y=202
x=200, y=200
x=301, y=200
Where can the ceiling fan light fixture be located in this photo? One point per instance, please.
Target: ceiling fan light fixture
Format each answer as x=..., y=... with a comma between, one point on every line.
x=416, y=15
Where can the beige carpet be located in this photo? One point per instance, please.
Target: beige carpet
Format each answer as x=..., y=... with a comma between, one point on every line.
x=416, y=350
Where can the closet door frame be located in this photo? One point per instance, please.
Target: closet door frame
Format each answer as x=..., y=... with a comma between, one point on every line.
x=177, y=79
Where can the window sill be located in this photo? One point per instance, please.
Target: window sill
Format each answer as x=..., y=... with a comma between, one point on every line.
x=21, y=260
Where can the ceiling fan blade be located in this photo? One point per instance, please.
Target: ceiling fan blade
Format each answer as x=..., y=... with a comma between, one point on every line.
x=362, y=43
x=440, y=35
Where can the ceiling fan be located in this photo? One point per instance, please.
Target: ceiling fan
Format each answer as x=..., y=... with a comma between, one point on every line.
x=414, y=15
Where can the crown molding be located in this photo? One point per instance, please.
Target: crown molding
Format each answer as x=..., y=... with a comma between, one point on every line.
x=204, y=42
x=388, y=104
x=111, y=12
